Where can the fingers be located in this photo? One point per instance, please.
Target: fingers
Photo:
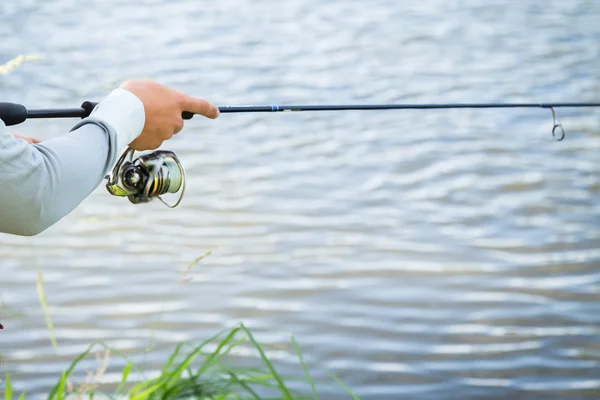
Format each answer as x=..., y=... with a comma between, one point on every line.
x=163, y=107
x=31, y=140
x=28, y=139
x=199, y=106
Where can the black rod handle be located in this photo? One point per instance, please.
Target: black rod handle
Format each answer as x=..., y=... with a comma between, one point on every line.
x=12, y=113
x=89, y=107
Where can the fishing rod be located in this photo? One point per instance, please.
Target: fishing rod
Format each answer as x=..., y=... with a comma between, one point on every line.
x=13, y=114
x=160, y=172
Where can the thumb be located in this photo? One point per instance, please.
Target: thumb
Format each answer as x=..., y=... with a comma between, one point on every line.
x=200, y=106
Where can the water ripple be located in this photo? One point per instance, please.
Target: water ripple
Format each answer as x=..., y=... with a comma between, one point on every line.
x=440, y=254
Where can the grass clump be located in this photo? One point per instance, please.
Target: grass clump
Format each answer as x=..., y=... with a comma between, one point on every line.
x=191, y=372
x=199, y=372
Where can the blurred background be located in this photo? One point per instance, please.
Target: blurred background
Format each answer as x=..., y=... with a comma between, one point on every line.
x=417, y=254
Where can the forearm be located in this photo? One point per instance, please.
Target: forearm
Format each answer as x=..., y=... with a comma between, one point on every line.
x=42, y=183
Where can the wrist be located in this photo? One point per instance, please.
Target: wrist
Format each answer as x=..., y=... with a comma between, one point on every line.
x=124, y=112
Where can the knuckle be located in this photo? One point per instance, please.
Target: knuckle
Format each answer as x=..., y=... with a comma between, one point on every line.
x=179, y=125
x=126, y=83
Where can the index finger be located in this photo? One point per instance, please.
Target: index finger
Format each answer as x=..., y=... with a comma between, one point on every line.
x=200, y=106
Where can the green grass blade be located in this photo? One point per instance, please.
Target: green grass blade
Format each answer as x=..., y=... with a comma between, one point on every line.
x=190, y=389
x=174, y=376
x=207, y=363
x=284, y=390
x=22, y=396
x=8, y=390
x=44, y=303
x=308, y=378
x=125, y=374
x=232, y=346
x=215, y=356
x=210, y=339
x=70, y=369
x=244, y=385
x=259, y=378
x=61, y=386
x=141, y=386
x=143, y=395
x=172, y=358
x=342, y=384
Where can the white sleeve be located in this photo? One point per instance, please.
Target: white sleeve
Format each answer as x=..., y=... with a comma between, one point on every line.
x=42, y=183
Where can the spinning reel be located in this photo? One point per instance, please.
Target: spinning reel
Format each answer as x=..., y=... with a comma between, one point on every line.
x=148, y=176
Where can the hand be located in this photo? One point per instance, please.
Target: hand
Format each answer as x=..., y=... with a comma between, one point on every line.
x=28, y=139
x=163, y=107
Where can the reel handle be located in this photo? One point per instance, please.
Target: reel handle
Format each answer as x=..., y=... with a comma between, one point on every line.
x=12, y=113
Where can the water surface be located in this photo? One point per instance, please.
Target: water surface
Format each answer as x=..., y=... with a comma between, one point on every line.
x=416, y=254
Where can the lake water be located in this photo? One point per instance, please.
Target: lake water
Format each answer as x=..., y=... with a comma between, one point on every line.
x=416, y=254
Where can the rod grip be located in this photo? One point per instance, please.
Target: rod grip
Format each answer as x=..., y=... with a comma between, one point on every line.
x=12, y=113
x=89, y=106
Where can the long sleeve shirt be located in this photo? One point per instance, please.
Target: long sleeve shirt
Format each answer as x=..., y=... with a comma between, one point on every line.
x=42, y=183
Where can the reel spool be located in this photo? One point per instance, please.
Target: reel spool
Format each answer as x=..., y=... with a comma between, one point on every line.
x=148, y=176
